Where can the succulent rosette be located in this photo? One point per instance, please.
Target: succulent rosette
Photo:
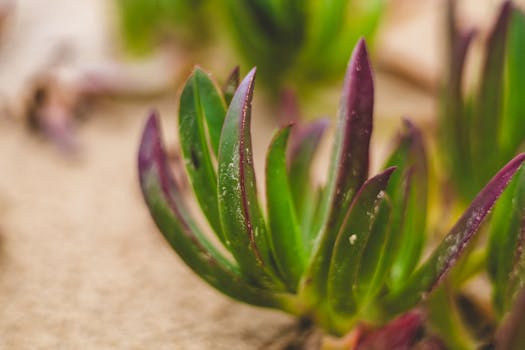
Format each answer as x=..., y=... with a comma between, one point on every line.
x=341, y=254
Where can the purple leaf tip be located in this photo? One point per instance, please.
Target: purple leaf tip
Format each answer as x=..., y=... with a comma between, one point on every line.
x=150, y=145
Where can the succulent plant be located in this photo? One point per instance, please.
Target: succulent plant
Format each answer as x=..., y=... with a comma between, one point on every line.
x=346, y=253
x=483, y=128
x=293, y=41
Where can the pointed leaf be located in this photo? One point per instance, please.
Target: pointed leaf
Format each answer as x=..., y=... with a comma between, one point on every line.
x=454, y=121
x=373, y=267
x=231, y=84
x=285, y=235
x=241, y=217
x=201, y=104
x=512, y=133
x=172, y=217
x=213, y=107
x=434, y=270
x=490, y=98
x=304, y=143
x=349, y=167
x=351, y=242
x=409, y=204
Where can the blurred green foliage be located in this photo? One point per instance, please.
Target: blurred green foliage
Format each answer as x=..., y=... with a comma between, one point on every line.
x=483, y=128
x=294, y=41
x=146, y=23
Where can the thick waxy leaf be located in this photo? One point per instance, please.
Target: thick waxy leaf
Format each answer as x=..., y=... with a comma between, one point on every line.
x=171, y=215
x=454, y=120
x=285, y=235
x=506, y=240
x=408, y=190
x=201, y=109
x=241, y=217
x=490, y=98
x=231, y=84
x=351, y=243
x=428, y=276
x=349, y=167
x=305, y=141
x=512, y=133
x=373, y=267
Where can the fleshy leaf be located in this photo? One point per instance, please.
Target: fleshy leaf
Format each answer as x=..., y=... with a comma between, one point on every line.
x=454, y=121
x=231, y=84
x=434, y=270
x=351, y=243
x=487, y=114
x=512, y=133
x=285, y=235
x=201, y=105
x=304, y=143
x=241, y=217
x=373, y=267
x=408, y=190
x=350, y=159
x=172, y=217
x=506, y=240
x=349, y=168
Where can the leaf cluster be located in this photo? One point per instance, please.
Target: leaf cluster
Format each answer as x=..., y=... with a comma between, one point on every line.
x=482, y=128
x=342, y=253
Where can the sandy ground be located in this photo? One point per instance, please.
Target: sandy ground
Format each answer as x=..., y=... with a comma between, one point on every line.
x=81, y=264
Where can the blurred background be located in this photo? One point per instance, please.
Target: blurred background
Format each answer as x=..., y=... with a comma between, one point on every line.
x=81, y=264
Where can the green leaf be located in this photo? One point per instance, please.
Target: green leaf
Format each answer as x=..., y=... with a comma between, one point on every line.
x=349, y=167
x=201, y=105
x=304, y=143
x=166, y=204
x=373, y=268
x=512, y=133
x=285, y=235
x=409, y=190
x=351, y=243
x=454, y=119
x=231, y=84
x=436, y=267
x=506, y=239
x=213, y=107
x=487, y=117
x=241, y=217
